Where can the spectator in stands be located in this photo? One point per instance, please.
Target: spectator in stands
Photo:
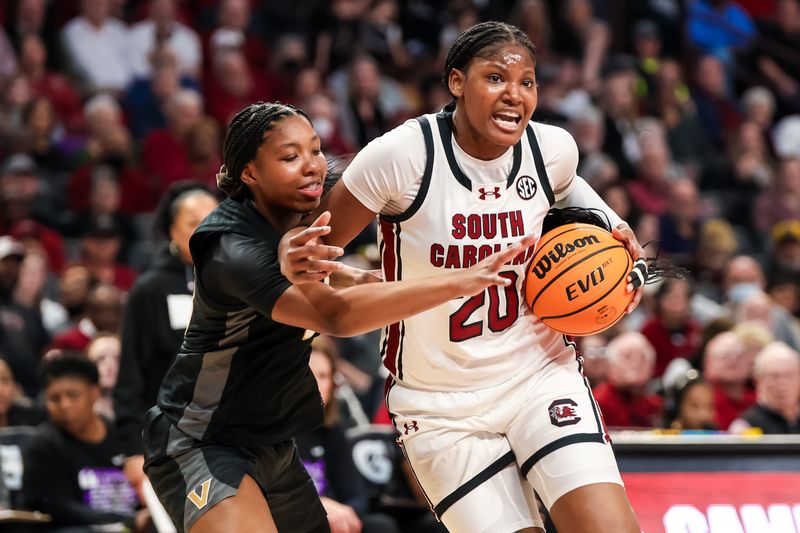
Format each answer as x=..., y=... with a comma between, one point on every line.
x=337, y=30
x=24, y=204
x=719, y=27
x=22, y=335
x=775, y=53
x=30, y=17
x=690, y=404
x=595, y=362
x=232, y=85
x=716, y=246
x=147, y=97
x=672, y=331
x=162, y=29
x=777, y=408
x=758, y=106
x=372, y=104
x=654, y=169
x=728, y=371
x=104, y=351
x=782, y=200
x=203, y=144
x=679, y=226
x=382, y=36
x=754, y=336
x=324, y=114
x=109, y=144
x=785, y=247
x=594, y=166
x=74, y=286
x=15, y=95
x=717, y=111
x=48, y=83
x=72, y=466
x=13, y=411
x=100, y=251
x=105, y=201
x=624, y=398
x=328, y=458
x=618, y=102
x=103, y=314
x=158, y=309
x=583, y=37
x=687, y=140
x=757, y=306
x=38, y=138
x=98, y=50
x=164, y=154
x=234, y=31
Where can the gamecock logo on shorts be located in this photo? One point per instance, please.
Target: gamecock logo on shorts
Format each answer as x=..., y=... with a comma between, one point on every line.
x=563, y=413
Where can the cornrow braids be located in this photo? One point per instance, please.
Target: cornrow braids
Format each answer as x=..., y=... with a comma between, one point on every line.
x=243, y=138
x=481, y=40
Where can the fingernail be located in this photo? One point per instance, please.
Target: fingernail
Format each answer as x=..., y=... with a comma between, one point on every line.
x=339, y=251
x=630, y=287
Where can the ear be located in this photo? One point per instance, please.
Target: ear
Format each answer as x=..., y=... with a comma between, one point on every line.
x=248, y=174
x=455, y=82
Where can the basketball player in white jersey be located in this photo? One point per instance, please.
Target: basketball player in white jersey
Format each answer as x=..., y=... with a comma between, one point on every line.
x=488, y=401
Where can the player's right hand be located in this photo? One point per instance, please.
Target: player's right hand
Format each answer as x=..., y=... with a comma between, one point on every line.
x=303, y=257
x=487, y=272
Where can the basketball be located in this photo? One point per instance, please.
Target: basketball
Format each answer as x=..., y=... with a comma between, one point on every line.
x=576, y=281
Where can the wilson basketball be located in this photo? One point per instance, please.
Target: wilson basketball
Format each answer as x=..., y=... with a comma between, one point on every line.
x=576, y=280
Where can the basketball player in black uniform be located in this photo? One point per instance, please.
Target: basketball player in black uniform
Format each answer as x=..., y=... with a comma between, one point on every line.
x=218, y=445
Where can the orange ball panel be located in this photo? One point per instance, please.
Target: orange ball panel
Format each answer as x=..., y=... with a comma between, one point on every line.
x=576, y=282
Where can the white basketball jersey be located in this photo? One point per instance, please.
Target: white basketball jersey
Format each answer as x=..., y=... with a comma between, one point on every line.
x=472, y=342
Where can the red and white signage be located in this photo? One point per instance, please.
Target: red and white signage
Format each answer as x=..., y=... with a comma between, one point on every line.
x=715, y=502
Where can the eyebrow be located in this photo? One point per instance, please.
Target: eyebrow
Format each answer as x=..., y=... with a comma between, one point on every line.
x=295, y=144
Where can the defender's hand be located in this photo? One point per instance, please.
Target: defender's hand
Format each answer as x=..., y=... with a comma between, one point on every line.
x=303, y=258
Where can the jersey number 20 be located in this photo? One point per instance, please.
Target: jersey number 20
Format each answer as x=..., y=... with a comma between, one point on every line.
x=460, y=327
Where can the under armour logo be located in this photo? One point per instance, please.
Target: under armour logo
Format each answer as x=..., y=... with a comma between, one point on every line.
x=484, y=193
x=412, y=427
x=200, y=500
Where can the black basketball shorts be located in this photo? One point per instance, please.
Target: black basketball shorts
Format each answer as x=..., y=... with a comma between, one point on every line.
x=191, y=482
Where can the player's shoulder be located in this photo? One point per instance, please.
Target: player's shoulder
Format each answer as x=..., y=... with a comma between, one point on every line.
x=554, y=141
x=404, y=143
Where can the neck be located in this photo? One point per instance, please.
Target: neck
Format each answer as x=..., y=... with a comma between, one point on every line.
x=94, y=431
x=789, y=412
x=280, y=218
x=469, y=141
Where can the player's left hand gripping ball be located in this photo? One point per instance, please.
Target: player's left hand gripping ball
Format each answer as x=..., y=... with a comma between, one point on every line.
x=638, y=275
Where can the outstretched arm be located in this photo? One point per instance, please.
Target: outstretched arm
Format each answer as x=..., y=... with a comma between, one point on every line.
x=364, y=308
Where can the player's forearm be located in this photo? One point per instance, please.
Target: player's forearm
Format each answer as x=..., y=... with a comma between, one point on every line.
x=364, y=308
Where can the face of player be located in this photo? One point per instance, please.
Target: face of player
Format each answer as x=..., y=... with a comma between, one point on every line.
x=697, y=410
x=70, y=403
x=286, y=175
x=496, y=97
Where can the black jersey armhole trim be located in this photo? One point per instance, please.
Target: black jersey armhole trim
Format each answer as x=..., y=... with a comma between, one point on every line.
x=540, y=168
x=427, y=134
x=445, y=121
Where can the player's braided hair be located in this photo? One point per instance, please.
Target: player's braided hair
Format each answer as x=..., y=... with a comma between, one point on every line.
x=242, y=139
x=481, y=40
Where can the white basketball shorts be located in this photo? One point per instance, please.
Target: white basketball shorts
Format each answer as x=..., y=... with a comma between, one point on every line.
x=472, y=452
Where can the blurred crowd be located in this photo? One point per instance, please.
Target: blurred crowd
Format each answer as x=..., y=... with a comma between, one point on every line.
x=686, y=114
